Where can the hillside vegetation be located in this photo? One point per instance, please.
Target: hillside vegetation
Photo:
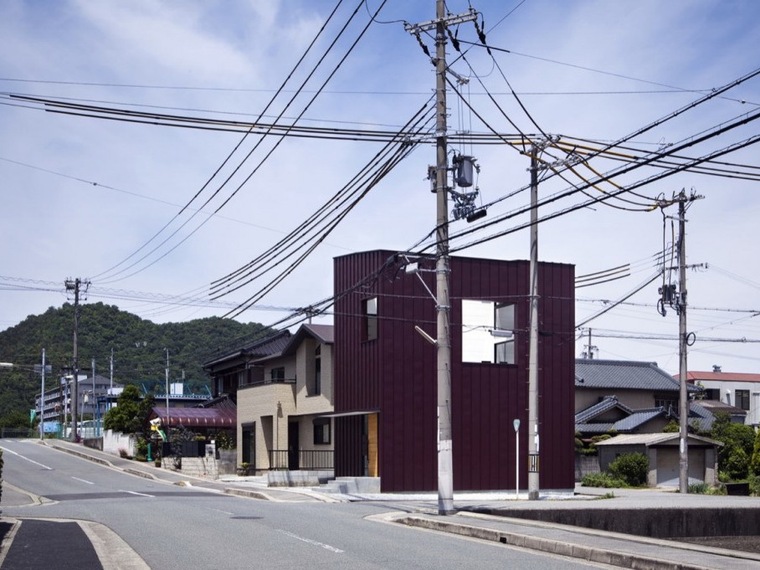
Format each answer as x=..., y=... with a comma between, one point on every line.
x=137, y=344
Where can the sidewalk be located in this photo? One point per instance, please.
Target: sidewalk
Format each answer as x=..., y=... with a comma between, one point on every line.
x=497, y=525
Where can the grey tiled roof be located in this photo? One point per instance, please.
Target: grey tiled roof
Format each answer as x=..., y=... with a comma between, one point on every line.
x=637, y=419
x=594, y=428
x=607, y=403
x=633, y=420
x=622, y=374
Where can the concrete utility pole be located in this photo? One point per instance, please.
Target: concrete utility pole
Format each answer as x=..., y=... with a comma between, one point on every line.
x=75, y=286
x=42, y=398
x=533, y=462
x=683, y=458
x=679, y=303
x=167, y=389
x=443, y=336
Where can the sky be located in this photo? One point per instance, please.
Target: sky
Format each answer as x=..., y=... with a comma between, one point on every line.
x=152, y=216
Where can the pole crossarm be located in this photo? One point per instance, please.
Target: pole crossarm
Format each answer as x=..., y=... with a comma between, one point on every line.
x=450, y=20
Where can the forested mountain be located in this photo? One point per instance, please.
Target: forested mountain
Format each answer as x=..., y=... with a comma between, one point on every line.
x=137, y=344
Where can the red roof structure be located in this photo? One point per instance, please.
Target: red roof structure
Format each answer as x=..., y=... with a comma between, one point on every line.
x=196, y=417
x=696, y=376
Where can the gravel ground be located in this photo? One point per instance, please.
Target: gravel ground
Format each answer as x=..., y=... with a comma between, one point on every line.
x=743, y=543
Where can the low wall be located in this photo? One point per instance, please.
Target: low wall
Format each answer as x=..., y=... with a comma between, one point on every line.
x=285, y=478
x=585, y=464
x=115, y=441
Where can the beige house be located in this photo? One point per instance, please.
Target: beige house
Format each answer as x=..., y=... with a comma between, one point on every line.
x=280, y=420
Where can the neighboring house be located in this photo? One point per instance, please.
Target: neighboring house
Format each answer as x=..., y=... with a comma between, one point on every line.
x=662, y=450
x=624, y=397
x=610, y=415
x=279, y=421
x=206, y=421
x=231, y=369
x=284, y=390
x=703, y=412
x=386, y=373
x=737, y=390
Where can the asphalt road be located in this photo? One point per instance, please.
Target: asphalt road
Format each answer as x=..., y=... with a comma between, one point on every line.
x=173, y=527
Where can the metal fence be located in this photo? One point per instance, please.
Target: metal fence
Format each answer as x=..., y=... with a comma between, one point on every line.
x=308, y=459
x=21, y=433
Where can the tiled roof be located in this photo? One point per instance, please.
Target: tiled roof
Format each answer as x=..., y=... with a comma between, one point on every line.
x=633, y=420
x=196, y=417
x=696, y=376
x=259, y=348
x=594, y=428
x=637, y=419
x=622, y=374
x=607, y=404
x=323, y=333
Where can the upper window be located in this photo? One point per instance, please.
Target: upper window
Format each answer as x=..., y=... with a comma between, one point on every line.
x=742, y=399
x=369, y=310
x=317, y=388
x=277, y=374
x=488, y=332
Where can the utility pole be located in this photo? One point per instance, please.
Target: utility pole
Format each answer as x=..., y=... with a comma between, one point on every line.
x=533, y=457
x=683, y=401
x=42, y=398
x=167, y=390
x=443, y=337
x=75, y=286
x=679, y=302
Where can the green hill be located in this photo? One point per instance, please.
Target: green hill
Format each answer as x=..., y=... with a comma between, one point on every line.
x=137, y=344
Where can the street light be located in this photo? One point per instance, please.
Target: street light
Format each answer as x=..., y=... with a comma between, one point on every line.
x=516, y=425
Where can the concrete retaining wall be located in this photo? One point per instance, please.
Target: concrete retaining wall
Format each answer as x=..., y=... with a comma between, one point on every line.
x=655, y=523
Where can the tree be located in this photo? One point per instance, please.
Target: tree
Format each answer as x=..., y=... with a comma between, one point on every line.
x=754, y=465
x=131, y=412
x=738, y=445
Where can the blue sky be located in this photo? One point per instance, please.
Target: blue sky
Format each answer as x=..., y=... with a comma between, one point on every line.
x=81, y=195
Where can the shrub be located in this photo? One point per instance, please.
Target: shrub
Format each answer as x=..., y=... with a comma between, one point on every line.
x=225, y=440
x=699, y=488
x=631, y=468
x=737, y=464
x=604, y=480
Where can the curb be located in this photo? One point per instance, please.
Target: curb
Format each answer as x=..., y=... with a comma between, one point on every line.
x=547, y=545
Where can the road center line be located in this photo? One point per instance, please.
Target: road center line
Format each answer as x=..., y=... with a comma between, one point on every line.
x=5, y=449
x=309, y=541
x=83, y=480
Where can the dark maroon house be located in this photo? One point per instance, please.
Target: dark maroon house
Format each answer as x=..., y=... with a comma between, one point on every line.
x=385, y=372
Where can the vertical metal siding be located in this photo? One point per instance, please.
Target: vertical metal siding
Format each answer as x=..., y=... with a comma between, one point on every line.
x=396, y=374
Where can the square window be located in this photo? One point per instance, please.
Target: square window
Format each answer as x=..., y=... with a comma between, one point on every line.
x=321, y=431
x=488, y=332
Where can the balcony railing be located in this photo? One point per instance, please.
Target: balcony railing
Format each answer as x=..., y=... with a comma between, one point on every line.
x=307, y=459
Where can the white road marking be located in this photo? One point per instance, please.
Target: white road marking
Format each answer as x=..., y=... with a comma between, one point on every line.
x=136, y=493
x=5, y=449
x=309, y=541
x=223, y=512
x=83, y=480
